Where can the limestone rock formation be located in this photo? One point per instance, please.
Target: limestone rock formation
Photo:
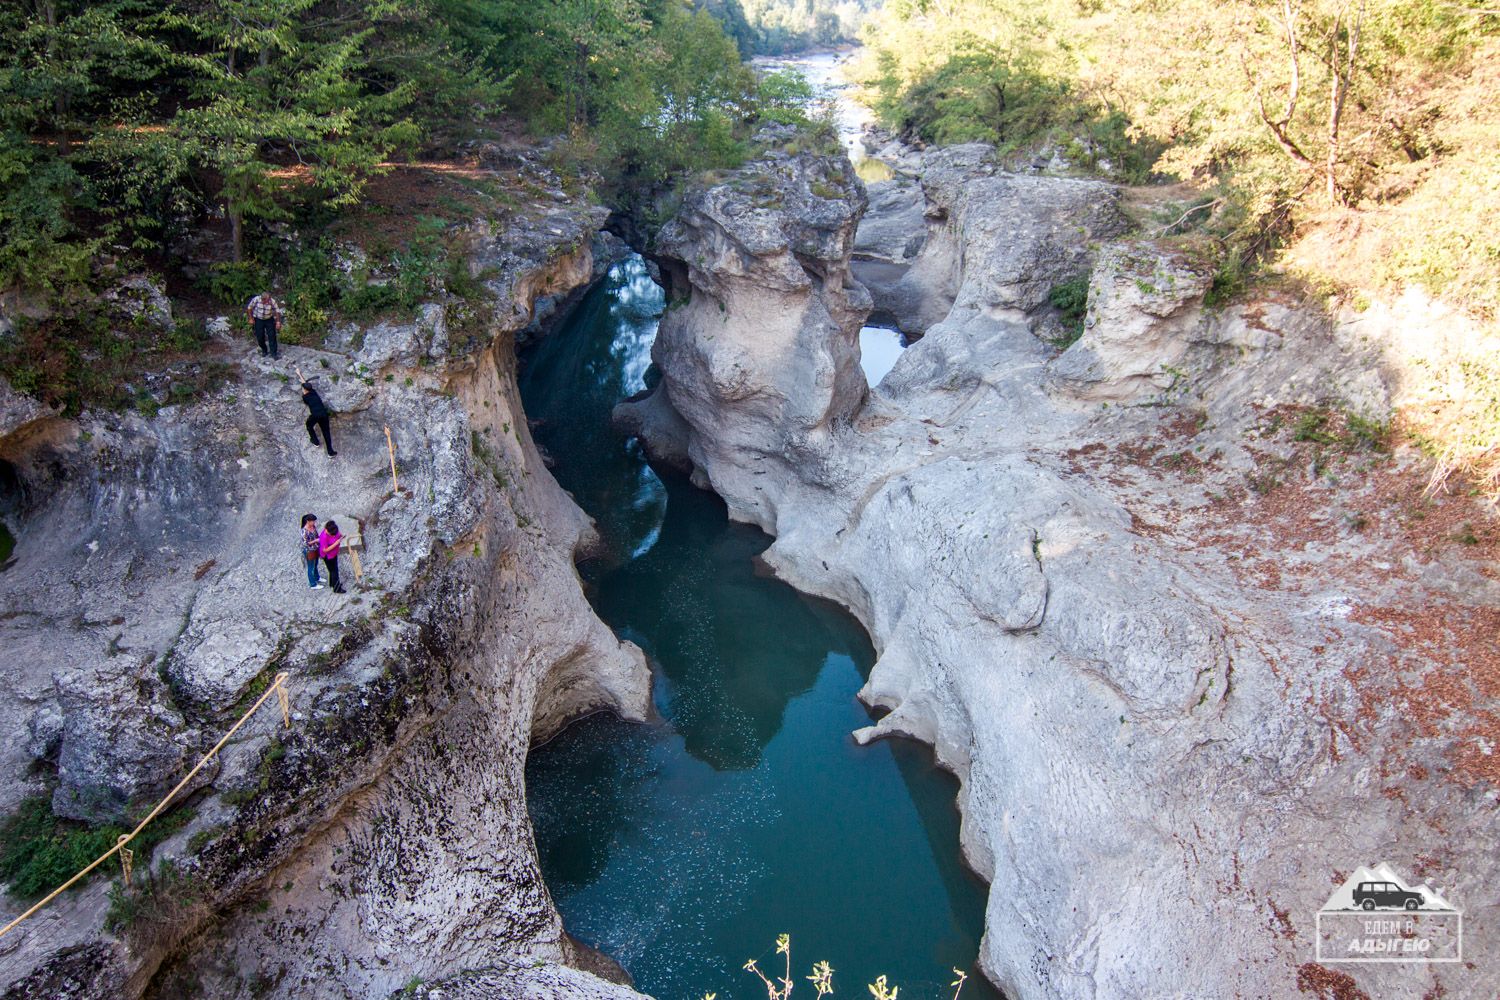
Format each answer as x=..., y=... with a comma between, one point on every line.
x=18, y=414
x=1147, y=641
x=120, y=741
x=157, y=589
x=1143, y=310
x=757, y=274
x=1004, y=238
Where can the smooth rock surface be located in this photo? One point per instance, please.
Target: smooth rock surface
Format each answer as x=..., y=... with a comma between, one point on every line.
x=758, y=275
x=1149, y=668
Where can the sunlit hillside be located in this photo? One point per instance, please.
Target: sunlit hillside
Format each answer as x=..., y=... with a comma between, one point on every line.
x=1352, y=145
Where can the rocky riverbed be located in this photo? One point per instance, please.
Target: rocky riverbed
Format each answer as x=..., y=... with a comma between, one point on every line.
x=1170, y=601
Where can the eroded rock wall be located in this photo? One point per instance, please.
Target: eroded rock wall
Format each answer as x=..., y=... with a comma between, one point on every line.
x=1168, y=678
x=382, y=839
x=758, y=275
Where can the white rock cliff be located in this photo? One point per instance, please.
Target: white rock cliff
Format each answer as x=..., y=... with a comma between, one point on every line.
x=1171, y=670
x=382, y=839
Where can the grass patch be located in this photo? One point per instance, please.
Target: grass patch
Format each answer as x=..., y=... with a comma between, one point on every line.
x=1345, y=431
x=39, y=850
x=158, y=907
x=1454, y=415
x=274, y=752
x=198, y=841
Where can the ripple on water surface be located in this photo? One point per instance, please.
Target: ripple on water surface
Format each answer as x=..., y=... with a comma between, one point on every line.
x=683, y=847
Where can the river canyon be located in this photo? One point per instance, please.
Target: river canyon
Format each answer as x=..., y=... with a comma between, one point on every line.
x=692, y=621
x=683, y=848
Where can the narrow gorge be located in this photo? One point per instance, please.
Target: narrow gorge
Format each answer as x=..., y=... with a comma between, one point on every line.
x=1088, y=665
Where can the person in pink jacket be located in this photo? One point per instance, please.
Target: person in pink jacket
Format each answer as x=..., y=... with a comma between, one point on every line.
x=329, y=543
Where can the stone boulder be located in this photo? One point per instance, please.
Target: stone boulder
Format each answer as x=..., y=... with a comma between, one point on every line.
x=19, y=414
x=988, y=240
x=123, y=743
x=758, y=350
x=394, y=342
x=1144, y=315
x=140, y=298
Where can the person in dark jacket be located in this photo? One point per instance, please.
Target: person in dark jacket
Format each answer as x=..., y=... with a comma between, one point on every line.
x=317, y=417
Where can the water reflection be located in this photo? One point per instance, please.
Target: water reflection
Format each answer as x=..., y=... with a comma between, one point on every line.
x=733, y=647
x=683, y=848
x=879, y=350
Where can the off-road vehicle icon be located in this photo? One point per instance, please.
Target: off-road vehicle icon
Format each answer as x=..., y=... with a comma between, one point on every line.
x=1386, y=896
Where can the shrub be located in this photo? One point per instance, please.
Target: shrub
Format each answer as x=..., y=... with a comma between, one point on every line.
x=233, y=284
x=1071, y=299
x=784, y=97
x=40, y=850
x=158, y=908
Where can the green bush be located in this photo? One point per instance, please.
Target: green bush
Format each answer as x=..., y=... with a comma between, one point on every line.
x=39, y=850
x=158, y=907
x=1071, y=299
x=234, y=284
x=784, y=97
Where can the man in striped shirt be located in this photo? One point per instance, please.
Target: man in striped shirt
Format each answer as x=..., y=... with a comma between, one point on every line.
x=265, y=316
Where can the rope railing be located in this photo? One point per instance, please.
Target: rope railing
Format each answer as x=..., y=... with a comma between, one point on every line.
x=278, y=688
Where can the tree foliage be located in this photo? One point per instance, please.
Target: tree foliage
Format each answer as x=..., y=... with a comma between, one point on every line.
x=780, y=27
x=1286, y=105
x=128, y=124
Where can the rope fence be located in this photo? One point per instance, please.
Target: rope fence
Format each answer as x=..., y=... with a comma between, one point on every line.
x=127, y=857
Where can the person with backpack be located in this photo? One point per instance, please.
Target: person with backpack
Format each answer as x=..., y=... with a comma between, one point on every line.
x=329, y=543
x=311, y=546
x=265, y=317
x=317, y=417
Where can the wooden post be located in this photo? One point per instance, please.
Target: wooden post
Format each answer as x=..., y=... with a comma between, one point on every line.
x=281, y=696
x=359, y=572
x=390, y=447
x=126, y=855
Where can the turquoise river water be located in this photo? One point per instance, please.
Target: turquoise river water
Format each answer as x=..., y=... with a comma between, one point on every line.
x=682, y=847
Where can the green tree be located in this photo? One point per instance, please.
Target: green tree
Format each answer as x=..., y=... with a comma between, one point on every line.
x=58, y=72
x=282, y=109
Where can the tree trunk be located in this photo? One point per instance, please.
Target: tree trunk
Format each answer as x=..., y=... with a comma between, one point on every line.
x=59, y=99
x=1281, y=129
x=581, y=84
x=1343, y=74
x=236, y=234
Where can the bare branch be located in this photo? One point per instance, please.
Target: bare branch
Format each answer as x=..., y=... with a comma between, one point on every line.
x=1343, y=76
x=1291, y=44
x=1164, y=230
x=1278, y=128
